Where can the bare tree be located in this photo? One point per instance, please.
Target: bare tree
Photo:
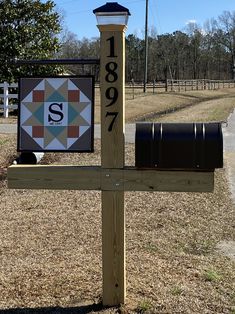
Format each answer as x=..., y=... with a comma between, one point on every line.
x=225, y=35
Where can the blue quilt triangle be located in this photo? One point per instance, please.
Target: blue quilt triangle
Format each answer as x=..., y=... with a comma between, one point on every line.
x=56, y=97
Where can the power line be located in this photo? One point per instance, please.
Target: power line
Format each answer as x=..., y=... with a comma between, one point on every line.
x=146, y=47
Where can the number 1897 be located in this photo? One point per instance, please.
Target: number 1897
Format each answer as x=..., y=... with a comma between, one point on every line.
x=111, y=92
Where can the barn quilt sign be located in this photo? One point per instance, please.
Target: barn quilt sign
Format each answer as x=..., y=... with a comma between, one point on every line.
x=56, y=114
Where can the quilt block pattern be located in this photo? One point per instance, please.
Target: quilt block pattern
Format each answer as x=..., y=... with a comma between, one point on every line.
x=56, y=114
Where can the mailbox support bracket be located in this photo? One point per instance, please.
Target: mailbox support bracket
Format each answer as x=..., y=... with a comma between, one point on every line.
x=97, y=178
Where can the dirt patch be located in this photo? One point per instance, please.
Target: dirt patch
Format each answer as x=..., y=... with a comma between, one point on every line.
x=227, y=248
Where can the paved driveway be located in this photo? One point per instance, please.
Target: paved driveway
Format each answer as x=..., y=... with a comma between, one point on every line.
x=229, y=150
x=130, y=131
x=8, y=128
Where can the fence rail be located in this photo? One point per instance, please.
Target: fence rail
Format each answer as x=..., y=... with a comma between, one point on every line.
x=8, y=92
x=203, y=84
x=135, y=89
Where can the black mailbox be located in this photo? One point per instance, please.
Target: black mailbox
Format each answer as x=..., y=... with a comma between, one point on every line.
x=181, y=146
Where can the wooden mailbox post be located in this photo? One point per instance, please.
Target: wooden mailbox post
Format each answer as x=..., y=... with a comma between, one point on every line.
x=112, y=19
x=112, y=156
x=112, y=178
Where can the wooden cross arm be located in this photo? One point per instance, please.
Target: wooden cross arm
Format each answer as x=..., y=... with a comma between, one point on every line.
x=97, y=178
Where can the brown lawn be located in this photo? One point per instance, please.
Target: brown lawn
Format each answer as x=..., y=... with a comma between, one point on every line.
x=50, y=241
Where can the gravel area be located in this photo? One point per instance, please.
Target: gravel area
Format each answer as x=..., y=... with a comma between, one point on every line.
x=50, y=246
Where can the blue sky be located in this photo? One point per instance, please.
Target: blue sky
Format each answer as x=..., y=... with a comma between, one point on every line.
x=165, y=15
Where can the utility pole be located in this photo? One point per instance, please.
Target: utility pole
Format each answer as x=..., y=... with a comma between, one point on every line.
x=146, y=48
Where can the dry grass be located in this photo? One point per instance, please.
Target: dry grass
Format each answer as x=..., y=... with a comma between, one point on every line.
x=154, y=106
x=8, y=153
x=212, y=110
x=50, y=246
x=12, y=119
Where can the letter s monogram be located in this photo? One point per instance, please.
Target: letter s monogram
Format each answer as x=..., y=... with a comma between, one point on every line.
x=53, y=110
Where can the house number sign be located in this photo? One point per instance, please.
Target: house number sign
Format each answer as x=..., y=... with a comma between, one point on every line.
x=111, y=77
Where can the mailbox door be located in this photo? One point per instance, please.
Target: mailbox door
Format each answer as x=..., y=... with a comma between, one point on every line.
x=213, y=147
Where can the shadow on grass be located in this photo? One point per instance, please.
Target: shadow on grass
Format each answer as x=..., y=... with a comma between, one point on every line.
x=91, y=308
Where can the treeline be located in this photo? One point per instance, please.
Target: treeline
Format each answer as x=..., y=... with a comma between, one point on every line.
x=31, y=29
x=196, y=53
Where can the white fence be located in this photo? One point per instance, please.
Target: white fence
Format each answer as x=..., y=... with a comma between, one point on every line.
x=170, y=85
x=5, y=104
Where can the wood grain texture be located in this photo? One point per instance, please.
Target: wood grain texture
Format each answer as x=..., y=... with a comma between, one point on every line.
x=113, y=248
x=112, y=142
x=112, y=80
x=97, y=178
x=53, y=177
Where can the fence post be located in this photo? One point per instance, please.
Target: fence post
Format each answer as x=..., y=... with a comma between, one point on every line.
x=133, y=88
x=166, y=85
x=5, y=100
